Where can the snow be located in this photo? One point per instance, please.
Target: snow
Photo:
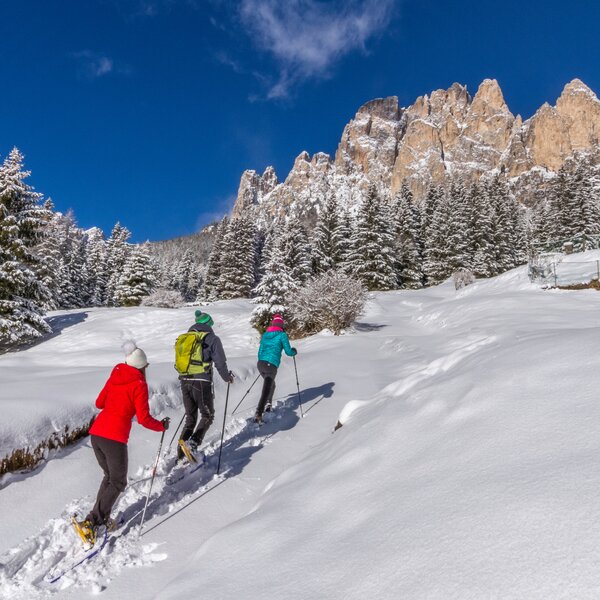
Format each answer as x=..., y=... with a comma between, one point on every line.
x=466, y=467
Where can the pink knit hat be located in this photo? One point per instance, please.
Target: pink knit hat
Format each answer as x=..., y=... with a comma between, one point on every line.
x=277, y=321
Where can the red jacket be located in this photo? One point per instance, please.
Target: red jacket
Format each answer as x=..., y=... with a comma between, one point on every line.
x=124, y=396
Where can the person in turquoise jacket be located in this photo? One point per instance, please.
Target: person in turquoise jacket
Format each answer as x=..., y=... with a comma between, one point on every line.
x=273, y=341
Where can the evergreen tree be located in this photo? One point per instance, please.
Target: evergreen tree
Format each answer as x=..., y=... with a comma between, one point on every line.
x=95, y=263
x=183, y=276
x=275, y=288
x=210, y=289
x=408, y=242
x=460, y=234
x=117, y=251
x=371, y=258
x=437, y=265
x=136, y=280
x=295, y=250
x=483, y=250
x=72, y=275
x=22, y=219
x=238, y=270
x=328, y=245
x=48, y=254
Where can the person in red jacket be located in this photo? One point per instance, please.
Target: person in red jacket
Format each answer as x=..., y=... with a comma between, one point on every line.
x=124, y=396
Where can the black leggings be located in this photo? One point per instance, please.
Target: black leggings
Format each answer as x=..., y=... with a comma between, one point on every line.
x=197, y=397
x=268, y=372
x=112, y=457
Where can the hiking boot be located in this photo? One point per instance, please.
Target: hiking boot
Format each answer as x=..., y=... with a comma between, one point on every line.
x=110, y=524
x=258, y=418
x=268, y=407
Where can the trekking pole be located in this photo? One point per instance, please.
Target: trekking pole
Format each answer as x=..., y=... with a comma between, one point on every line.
x=162, y=437
x=173, y=438
x=240, y=402
x=223, y=430
x=298, y=387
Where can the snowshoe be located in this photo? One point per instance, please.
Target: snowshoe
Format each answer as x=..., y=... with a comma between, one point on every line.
x=85, y=529
x=188, y=451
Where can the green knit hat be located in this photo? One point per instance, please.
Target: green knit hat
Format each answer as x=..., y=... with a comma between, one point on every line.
x=203, y=318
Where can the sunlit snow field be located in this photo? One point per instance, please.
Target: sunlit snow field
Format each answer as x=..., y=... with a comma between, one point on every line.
x=468, y=465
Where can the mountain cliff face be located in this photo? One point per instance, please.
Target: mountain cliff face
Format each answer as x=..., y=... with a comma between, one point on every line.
x=444, y=134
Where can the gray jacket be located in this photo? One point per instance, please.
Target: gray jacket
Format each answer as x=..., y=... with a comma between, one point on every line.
x=212, y=351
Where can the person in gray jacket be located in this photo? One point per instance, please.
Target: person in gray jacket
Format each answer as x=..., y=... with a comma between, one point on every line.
x=197, y=389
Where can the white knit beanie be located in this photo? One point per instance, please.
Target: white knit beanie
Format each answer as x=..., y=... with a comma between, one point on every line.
x=134, y=356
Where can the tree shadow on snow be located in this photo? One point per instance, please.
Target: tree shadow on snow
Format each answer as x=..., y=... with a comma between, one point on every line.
x=61, y=322
x=57, y=324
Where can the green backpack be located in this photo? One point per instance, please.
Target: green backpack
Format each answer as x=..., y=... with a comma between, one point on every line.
x=188, y=353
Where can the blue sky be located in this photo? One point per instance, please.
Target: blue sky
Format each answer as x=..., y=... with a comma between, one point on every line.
x=147, y=111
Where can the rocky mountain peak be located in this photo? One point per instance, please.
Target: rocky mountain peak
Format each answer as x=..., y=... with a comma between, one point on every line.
x=490, y=95
x=445, y=133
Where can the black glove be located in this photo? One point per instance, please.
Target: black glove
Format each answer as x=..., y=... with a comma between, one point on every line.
x=294, y=351
x=166, y=422
x=231, y=377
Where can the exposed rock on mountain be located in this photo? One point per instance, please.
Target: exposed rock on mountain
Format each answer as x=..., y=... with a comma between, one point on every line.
x=443, y=134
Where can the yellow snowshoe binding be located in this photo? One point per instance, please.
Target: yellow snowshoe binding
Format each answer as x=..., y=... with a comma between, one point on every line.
x=187, y=452
x=85, y=530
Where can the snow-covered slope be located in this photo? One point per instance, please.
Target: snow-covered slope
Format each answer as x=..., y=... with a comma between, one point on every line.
x=467, y=466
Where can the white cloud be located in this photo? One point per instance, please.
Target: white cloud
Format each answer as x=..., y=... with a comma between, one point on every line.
x=93, y=65
x=307, y=37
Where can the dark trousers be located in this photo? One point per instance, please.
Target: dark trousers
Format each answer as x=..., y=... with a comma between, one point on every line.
x=197, y=398
x=112, y=458
x=268, y=372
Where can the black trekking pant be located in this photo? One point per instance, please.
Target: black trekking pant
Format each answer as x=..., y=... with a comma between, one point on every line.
x=112, y=458
x=197, y=398
x=268, y=372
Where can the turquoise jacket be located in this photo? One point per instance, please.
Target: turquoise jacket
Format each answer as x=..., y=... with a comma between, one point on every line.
x=273, y=341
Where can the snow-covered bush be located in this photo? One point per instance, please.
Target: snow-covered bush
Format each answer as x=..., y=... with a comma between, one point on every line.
x=462, y=278
x=163, y=298
x=330, y=301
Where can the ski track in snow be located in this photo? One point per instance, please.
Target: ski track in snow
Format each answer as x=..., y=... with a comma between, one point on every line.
x=23, y=569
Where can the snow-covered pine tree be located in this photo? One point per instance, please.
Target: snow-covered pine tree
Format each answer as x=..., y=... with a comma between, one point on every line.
x=371, y=258
x=434, y=194
x=295, y=250
x=117, y=251
x=408, y=242
x=183, y=276
x=275, y=288
x=210, y=289
x=72, y=276
x=327, y=242
x=343, y=241
x=460, y=233
x=482, y=251
x=500, y=201
x=238, y=261
x=48, y=254
x=137, y=279
x=437, y=264
x=587, y=198
x=95, y=262
x=22, y=219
